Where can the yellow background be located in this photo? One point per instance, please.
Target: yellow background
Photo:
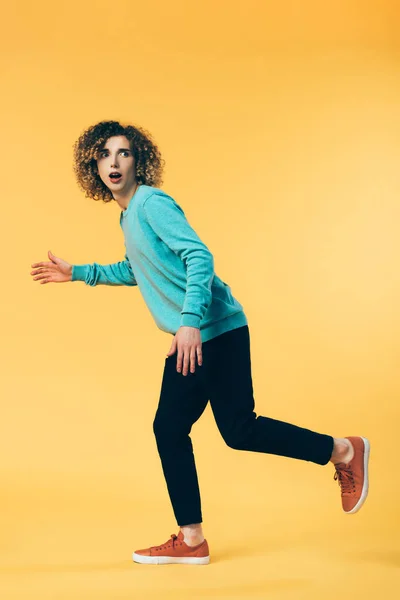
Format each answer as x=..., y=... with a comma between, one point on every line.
x=279, y=124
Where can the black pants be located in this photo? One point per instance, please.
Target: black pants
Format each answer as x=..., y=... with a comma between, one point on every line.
x=225, y=379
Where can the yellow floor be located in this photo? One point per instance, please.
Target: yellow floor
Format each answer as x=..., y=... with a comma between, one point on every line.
x=281, y=536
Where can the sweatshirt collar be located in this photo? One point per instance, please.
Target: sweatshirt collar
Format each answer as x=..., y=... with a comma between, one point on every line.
x=126, y=211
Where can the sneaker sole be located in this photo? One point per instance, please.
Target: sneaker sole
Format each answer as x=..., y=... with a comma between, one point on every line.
x=166, y=560
x=364, y=491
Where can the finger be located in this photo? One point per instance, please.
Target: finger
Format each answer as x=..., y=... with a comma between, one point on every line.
x=38, y=271
x=193, y=359
x=186, y=358
x=179, y=361
x=42, y=276
x=43, y=270
x=199, y=356
x=42, y=264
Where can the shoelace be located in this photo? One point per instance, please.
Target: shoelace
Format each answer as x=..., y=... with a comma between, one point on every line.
x=174, y=537
x=345, y=479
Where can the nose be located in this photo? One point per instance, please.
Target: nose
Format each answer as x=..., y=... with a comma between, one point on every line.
x=114, y=161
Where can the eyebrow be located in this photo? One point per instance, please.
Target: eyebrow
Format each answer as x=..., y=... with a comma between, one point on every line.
x=106, y=149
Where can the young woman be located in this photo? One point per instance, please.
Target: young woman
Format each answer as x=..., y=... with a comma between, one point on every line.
x=209, y=357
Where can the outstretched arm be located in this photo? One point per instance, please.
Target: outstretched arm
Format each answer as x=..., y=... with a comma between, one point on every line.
x=119, y=273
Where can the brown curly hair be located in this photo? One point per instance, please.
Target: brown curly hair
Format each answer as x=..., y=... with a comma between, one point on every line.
x=148, y=162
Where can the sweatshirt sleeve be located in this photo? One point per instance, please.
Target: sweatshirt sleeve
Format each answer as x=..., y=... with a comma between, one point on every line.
x=168, y=221
x=119, y=273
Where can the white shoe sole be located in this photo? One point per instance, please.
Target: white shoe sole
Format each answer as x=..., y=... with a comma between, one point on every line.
x=166, y=560
x=364, y=492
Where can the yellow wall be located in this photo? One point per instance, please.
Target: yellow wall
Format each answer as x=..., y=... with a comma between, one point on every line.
x=279, y=124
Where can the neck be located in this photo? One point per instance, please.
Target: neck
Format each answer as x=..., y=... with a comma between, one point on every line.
x=124, y=197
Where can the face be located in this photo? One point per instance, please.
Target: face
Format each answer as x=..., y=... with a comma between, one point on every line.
x=116, y=155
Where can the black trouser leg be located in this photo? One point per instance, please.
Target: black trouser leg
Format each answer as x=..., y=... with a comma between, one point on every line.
x=225, y=379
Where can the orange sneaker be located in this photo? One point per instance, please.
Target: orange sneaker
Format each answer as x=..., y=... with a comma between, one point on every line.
x=175, y=550
x=353, y=476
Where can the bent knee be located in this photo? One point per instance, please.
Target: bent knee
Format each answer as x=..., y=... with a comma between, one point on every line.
x=234, y=441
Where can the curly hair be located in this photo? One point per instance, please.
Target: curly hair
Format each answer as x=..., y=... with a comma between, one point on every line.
x=148, y=161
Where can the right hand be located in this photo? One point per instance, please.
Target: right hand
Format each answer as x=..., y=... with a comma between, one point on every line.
x=56, y=271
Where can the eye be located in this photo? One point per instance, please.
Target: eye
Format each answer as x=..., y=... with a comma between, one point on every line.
x=105, y=153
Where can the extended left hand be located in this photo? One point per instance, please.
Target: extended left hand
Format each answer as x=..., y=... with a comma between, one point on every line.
x=187, y=341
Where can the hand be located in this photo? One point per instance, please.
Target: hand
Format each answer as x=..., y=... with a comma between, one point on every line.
x=188, y=342
x=56, y=271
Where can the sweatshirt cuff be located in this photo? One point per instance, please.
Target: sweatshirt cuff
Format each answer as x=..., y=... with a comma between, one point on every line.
x=79, y=272
x=190, y=320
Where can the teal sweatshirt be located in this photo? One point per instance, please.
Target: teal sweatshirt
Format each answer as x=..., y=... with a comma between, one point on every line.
x=172, y=267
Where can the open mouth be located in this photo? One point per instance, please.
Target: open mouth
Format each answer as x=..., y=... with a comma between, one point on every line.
x=115, y=177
